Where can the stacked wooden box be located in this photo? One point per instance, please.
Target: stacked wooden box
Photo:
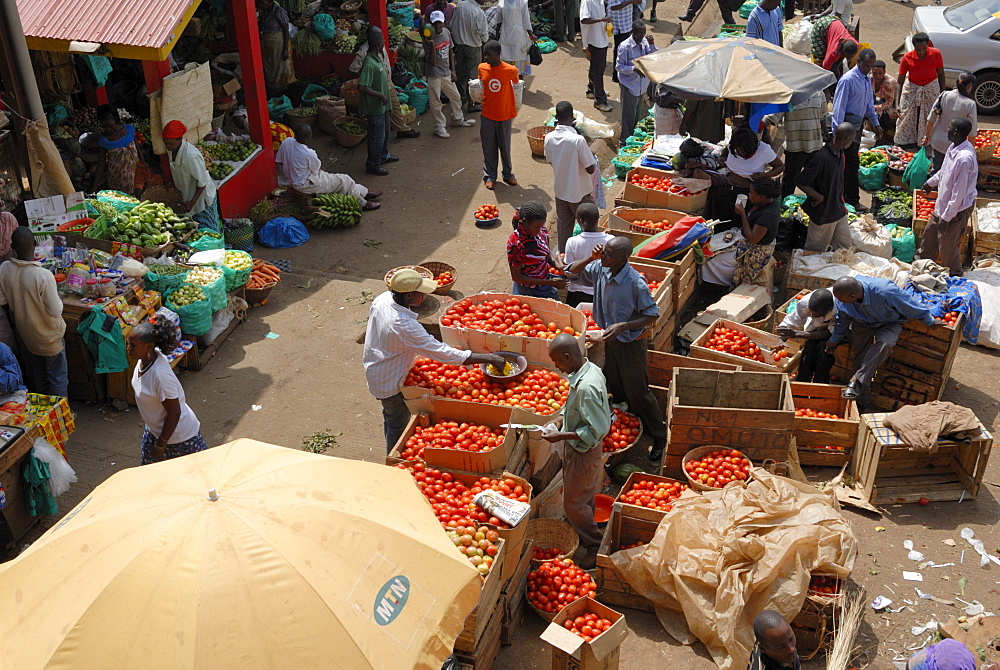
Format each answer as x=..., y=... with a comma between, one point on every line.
x=621, y=530
x=749, y=411
x=660, y=371
x=513, y=595
x=919, y=366
x=888, y=472
x=824, y=441
x=984, y=242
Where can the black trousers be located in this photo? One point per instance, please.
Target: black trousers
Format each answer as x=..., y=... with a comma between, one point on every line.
x=614, y=56
x=625, y=371
x=727, y=14
x=595, y=75
x=815, y=363
x=794, y=162
x=574, y=298
x=852, y=192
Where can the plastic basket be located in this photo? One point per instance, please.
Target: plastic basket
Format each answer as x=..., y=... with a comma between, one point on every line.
x=548, y=533
x=699, y=452
x=536, y=139
x=437, y=268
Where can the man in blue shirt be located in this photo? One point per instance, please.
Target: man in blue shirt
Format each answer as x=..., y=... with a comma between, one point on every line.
x=623, y=309
x=765, y=22
x=632, y=84
x=874, y=310
x=854, y=102
x=11, y=383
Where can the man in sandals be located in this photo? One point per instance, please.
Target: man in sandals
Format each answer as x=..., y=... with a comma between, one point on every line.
x=874, y=310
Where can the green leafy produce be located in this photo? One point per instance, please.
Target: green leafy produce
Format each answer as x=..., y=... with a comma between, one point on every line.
x=205, y=233
x=220, y=170
x=871, y=158
x=263, y=211
x=350, y=126
x=896, y=195
x=896, y=210
x=103, y=209
x=148, y=225
x=163, y=269
x=346, y=44
x=307, y=43
x=336, y=210
x=301, y=111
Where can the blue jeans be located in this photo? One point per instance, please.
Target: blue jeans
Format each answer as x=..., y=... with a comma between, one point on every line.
x=48, y=375
x=395, y=416
x=536, y=291
x=378, y=139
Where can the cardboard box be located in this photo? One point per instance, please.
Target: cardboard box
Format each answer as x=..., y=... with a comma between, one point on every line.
x=647, y=196
x=535, y=349
x=621, y=218
x=572, y=652
x=507, y=456
x=762, y=339
x=46, y=214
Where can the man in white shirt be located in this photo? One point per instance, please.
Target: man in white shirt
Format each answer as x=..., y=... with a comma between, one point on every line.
x=28, y=292
x=956, y=185
x=190, y=176
x=300, y=167
x=812, y=321
x=395, y=340
x=582, y=246
x=594, y=21
x=469, y=31
x=573, y=163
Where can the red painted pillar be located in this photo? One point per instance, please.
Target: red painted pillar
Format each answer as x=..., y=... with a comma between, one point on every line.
x=244, y=18
x=155, y=71
x=97, y=96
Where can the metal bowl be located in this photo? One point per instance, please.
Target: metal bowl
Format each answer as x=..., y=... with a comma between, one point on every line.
x=519, y=362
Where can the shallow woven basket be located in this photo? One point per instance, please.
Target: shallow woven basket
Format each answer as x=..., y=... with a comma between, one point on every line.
x=346, y=139
x=697, y=453
x=765, y=323
x=986, y=153
x=437, y=268
x=536, y=139
x=610, y=458
x=546, y=616
x=424, y=272
x=548, y=533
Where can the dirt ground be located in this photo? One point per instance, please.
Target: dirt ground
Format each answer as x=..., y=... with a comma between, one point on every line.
x=309, y=378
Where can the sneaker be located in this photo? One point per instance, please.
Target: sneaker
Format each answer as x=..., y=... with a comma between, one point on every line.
x=441, y=132
x=590, y=95
x=602, y=106
x=464, y=123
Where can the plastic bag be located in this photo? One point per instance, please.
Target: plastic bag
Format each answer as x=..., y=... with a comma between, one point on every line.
x=746, y=8
x=276, y=108
x=870, y=236
x=872, y=178
x=904, y=246
x=207, y=243
x=61, y=473
x=476, y=91
x=162, y=283
x=312, y=92
x=216, y=292
x=799, y=37
x=419, y=98
x=196, y=318
x=324, y=26
x=220, y=321
x=208, y=257
x=916, y=171
x=282, y=233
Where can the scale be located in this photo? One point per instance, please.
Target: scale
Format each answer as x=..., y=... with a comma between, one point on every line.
x=9, y=435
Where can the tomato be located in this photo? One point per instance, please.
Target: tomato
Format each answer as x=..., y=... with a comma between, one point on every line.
x=624, y=431
x=452, y=499
x=740, y=344
x=824, y=585
x=812, y=413
x=452, y=435
x=924, y=502
x=510, y=317
x=558, y=582
x=487, y=212
x=718, y=468
x=653, y=494
x=477, y=543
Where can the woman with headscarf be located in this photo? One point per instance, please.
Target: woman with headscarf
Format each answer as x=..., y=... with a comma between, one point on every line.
x=920, y=81
x=886, y=94
x=516, y=36
x=529, y=256
x=957, y=103
x=187, y=167
x=831, y=43
x=759, y=228
x=118, y=156
x=948, y=654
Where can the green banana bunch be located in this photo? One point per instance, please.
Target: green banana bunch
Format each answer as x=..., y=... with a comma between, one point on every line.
x=336, y=210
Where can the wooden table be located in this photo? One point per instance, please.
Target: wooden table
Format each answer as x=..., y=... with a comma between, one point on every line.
x=14, y=519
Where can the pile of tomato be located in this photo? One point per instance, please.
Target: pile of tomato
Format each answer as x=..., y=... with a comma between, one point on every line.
x=487, y=212
x=652, y=284
x=658, y=184
x=591, y=324
x=452, y=435
x=654, y=225
x=543, y=554
x=452, y=500
x=623, y=547
x=507, y=317
x=444, y=278
x=736, y=343
x=654, y=495
x=925, y=207
x=827, y=586
x=815, y=413
x=557, y=583
x=984, y=138
x=588, y=626
x=950, y=319
x=719, y=467
x=624, y=431
x=540, y=390
x=479, y=545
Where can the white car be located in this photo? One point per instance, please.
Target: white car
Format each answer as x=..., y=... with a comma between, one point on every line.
x=968, y=35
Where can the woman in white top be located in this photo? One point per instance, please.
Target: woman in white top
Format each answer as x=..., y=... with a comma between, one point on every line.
x=745, y=157
x=172, y=429
x=516, y=36
x=956, y=103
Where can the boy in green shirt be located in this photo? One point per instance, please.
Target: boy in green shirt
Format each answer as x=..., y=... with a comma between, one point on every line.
x=374, y=104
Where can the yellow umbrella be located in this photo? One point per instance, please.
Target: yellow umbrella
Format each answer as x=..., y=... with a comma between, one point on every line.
x=243, y=556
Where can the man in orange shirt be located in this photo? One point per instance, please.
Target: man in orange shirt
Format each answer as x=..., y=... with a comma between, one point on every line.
x=499, y=109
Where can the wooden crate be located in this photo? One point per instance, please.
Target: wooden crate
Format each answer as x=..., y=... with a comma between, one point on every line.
x=813, y=631
x=888, y=472
x=781, y=312
x=661, y=199
x=684, y=281
x=660, y=370
x=476, y=624
x=917, y=371
x=814, y=437
x=512, y=595
x=664, y=339
x=612, y=587
x=621, y=218
x=637, y=511
x=484, y=655
x=749, y=411
x=761, y=338
x=983, y=242
x=663, y=295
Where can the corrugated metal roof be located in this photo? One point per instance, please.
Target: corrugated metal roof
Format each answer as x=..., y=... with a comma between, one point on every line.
x=141, y=23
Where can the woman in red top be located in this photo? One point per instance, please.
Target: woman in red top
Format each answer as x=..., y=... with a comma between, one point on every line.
x=529, y=256
x=920, y=81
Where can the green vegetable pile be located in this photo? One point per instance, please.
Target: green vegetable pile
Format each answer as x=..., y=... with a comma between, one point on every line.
x=205, y=233
x=307, y=43
x=897, y=195
x=336, y=210
x=350, y=126
x=103, y=209
x=345, y=44
x=186, y=295
x=147, y=225
x=163, y=269
x=896, y=210
x=301, y=111
x=871, y=158
x=220, y=171
x=237, y=151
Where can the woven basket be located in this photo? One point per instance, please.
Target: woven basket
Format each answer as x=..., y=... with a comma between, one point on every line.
x=170, y=197
x=437, y=268
x=346, y=139
x=548, y=533
x=611, y=458
x=765, y=323
x=547, y=617
x=349, y=10
x=695, y=454
x=424, y=272
x=986, y=153
x=536, y=139
x=258, y=296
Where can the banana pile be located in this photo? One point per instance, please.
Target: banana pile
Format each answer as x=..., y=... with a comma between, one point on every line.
x=336, y=210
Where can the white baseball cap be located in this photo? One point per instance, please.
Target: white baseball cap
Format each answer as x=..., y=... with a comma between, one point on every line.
x=437, y=15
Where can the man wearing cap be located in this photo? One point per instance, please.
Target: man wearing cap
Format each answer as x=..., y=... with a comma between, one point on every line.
x=301, y=168
x=187, y=168
x=395, y=340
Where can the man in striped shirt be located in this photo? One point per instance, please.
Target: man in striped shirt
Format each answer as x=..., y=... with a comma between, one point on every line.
x=804, y=129
x=395, y=340
x=764, y=22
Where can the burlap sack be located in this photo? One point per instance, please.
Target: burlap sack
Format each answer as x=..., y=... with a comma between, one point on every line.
x=48, y=173
x=328, y=109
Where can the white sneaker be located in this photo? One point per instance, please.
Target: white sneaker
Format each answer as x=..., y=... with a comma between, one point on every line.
x=441, y=132
x=463, y=123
